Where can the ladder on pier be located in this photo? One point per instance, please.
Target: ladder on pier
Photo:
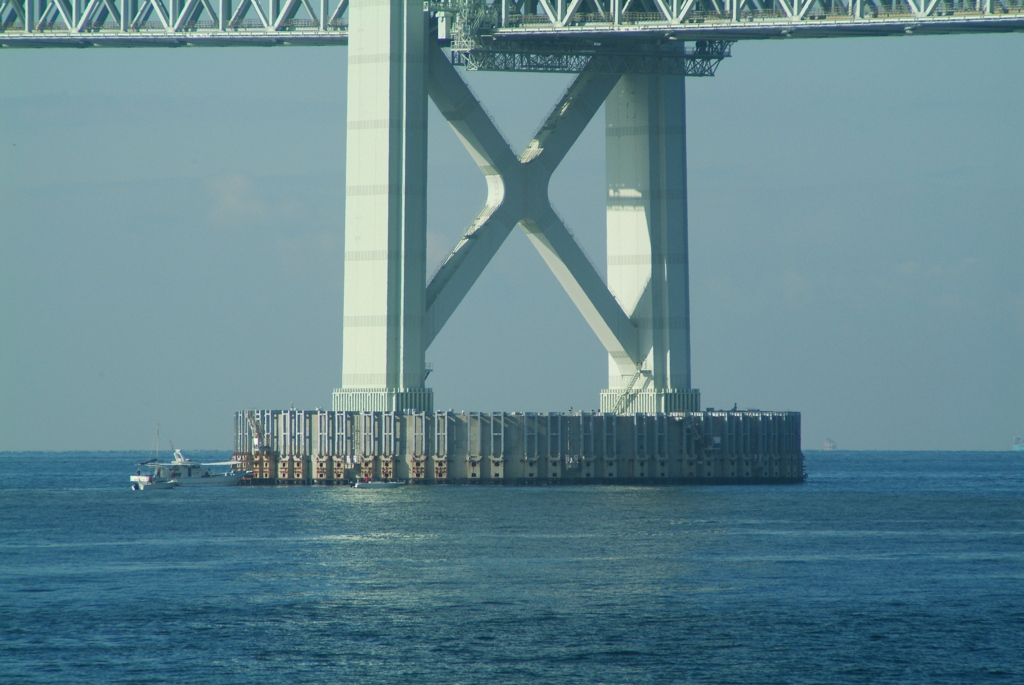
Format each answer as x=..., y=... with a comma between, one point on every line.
x=626, y=397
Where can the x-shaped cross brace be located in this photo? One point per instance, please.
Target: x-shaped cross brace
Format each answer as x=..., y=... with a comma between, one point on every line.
x=517, y=193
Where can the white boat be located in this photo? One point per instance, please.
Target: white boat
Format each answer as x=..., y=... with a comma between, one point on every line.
x=378, y=484
x=149, y=481
x=186, y=472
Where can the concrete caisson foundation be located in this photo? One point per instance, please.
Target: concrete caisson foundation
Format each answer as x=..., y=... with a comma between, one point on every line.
x=336, y=447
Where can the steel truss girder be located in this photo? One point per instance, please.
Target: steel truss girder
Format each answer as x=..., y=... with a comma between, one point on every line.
x=496, y=16
x=134, y=23
x=489, y=25
x=517, y=193
x=517, y=35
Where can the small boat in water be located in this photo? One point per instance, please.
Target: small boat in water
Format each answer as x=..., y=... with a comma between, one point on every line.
x=149, y=481
x=184, y=471
x=378, y=484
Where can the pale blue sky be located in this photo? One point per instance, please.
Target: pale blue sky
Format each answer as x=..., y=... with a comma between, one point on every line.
x=170, y=243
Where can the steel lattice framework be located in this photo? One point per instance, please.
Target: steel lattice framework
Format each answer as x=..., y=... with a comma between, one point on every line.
x=497, y=34
x=738, y=19
x=156, y=23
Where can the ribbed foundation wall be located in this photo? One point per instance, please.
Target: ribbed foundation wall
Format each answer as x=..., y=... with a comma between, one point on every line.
x=650, y=401
x=335, y=447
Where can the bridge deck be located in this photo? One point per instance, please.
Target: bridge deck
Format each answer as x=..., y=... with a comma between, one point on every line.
x=219, y=23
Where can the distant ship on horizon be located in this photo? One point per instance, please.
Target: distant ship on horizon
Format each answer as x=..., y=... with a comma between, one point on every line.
x=1018, y=444
x=830, y=444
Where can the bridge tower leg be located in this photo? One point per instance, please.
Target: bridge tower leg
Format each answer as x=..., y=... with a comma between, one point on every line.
x=390, y=312
x=385, y=210
x=648, y=263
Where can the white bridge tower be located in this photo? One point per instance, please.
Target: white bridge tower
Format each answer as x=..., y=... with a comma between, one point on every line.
x=392, y=314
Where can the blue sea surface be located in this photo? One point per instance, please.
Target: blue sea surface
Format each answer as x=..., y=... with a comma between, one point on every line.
x=885, y=567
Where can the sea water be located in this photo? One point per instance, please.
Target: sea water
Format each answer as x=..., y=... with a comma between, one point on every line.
x=882, y=568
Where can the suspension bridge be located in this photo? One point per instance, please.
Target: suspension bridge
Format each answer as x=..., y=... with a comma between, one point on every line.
x=629, y=56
